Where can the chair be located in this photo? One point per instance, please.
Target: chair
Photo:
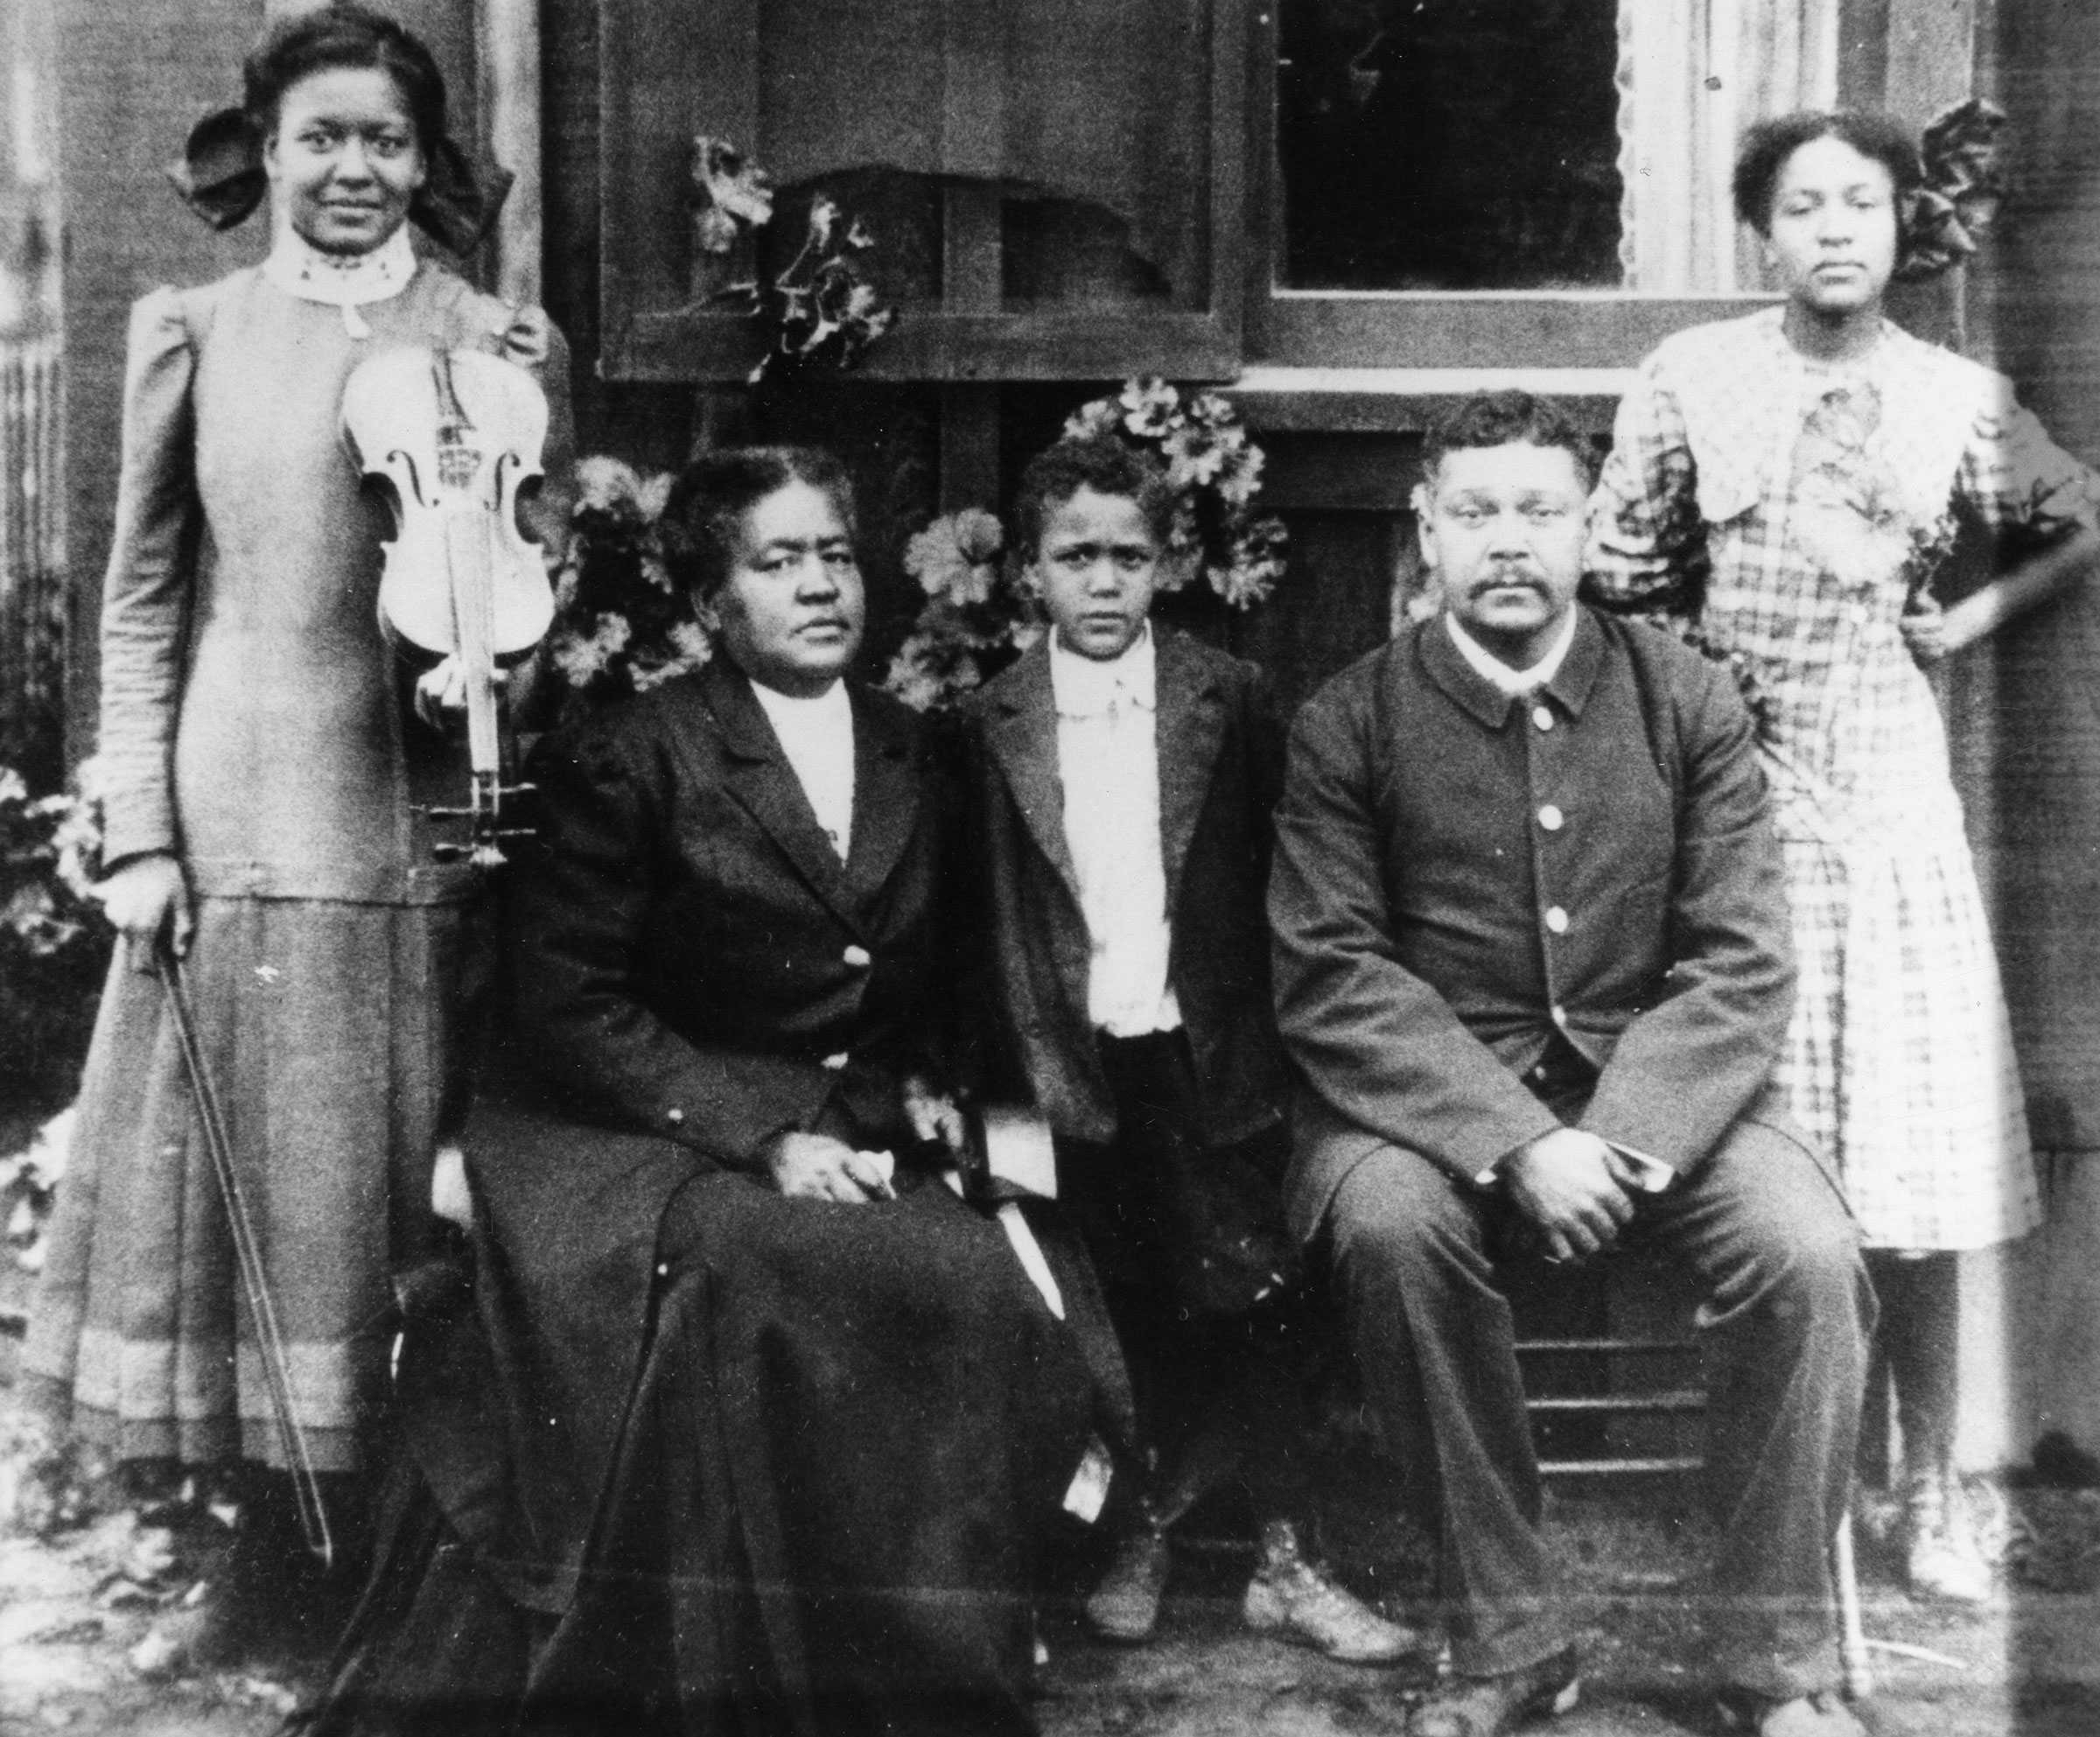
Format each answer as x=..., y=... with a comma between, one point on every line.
x=1676, y=1401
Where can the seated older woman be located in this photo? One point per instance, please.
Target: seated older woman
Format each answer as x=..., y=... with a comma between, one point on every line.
x=780, y=1413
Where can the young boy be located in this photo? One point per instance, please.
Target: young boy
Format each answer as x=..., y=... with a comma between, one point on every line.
x=1122, y=780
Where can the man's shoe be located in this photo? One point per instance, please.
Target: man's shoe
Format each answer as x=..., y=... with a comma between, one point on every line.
x=1819, y=1715
x=1487, y=1707
x=1291, y=1598
x=1125, y=1606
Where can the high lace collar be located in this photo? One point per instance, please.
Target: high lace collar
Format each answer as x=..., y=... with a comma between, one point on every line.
x=345, y=280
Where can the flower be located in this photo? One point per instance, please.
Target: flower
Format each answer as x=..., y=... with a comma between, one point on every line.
x=604, y=485
x=583, y=657
x=1151, y=407
x=733, y=186
x=1100, y=416
x=1242, y=479
x=1256, y=564
x=957, y=556
x=1193, y=458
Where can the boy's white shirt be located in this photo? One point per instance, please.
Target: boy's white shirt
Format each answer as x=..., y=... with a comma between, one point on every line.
x=817, y=735
x=1108, y=759
x=1655, y=1174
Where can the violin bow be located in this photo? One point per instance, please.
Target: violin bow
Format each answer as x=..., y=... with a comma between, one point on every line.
x=261, y=1307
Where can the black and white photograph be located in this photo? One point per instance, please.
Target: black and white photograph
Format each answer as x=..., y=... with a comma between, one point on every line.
x=1050, y=868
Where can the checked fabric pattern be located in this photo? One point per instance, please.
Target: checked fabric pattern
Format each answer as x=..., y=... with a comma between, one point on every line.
x=1797, y=508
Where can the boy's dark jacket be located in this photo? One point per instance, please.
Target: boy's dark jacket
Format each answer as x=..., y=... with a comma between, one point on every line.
x=1221, y=771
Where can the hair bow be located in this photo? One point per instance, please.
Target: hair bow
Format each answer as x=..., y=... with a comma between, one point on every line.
x=220, y=177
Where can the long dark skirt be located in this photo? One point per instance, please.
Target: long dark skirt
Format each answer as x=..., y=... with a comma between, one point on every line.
x=848, y=1428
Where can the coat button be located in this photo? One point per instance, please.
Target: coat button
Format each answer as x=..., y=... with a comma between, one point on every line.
x=1552, y=818
x=1556, y=919
x=836, y=1063
x=1543, y=716
x=857, y=956
x=674, y=1116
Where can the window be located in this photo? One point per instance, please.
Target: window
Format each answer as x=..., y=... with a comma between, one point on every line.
x=1521, y=183
x=1055, y=186
x=1448, y=147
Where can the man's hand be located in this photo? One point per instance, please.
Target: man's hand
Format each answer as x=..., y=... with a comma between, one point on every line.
x=150, y=896
x=1566, y=1186
x=817, y=1167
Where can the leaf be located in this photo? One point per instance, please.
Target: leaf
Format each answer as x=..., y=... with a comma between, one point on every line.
x=731, y=183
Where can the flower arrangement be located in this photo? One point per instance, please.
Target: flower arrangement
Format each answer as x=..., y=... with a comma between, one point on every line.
x=979, y=615
x=620, y=624
x=821, y=307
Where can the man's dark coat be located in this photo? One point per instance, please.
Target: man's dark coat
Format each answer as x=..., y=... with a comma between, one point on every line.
x=1461, y=878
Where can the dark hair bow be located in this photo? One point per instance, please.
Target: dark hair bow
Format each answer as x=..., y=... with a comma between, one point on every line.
x=220, y=177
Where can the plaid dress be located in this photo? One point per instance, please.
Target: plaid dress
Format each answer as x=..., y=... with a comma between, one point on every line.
x=1796, y=506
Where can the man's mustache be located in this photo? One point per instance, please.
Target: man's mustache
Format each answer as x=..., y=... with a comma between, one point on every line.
x=1502, y=578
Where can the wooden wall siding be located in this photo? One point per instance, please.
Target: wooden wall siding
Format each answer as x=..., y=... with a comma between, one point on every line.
x=122, y=113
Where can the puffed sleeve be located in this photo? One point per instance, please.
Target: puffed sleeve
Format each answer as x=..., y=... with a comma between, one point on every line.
x=2013, y=475
x=146, y=592
x=1647, y=543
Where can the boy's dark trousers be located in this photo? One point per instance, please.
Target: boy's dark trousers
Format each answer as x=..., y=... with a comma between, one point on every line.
x=1200, y=1276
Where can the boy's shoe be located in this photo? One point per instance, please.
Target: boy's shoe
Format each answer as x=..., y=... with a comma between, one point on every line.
x=1290, y=1597
x=1819, y=1715
x=1487, y=1707
x=1125, y=1604
x=1942, y=1560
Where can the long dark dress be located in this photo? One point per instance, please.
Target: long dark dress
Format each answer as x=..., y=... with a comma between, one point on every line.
x=752, y=1463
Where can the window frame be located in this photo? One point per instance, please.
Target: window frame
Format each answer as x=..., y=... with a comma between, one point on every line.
x=1428, y=329
x=968, y=336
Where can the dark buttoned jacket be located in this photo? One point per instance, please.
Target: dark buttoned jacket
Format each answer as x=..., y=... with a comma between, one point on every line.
x=1221, y=763
x=692, y=958
x=1464, y=882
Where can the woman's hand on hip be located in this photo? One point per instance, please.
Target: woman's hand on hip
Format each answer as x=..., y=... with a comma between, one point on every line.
x=146, y=898
x=817, y=1167
x=1924, y=629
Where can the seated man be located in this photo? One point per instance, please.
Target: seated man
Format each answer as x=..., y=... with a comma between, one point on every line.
x=1532, y=966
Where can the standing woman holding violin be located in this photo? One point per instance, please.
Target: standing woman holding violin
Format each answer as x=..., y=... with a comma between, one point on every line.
x=265, y=784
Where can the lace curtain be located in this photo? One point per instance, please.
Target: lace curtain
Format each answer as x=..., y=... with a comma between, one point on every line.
x=1692, y=75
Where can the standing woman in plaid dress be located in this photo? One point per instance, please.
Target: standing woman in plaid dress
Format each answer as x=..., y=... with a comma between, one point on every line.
x=1793, y=480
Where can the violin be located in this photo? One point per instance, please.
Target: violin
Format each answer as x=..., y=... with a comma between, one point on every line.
x=456, y=434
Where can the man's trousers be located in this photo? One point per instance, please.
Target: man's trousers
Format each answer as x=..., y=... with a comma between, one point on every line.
x=1786, y=1306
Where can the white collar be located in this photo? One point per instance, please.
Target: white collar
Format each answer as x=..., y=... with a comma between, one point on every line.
x=345, y=280
x=804, y=714
x=1491, y=669
x=1086, y=686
